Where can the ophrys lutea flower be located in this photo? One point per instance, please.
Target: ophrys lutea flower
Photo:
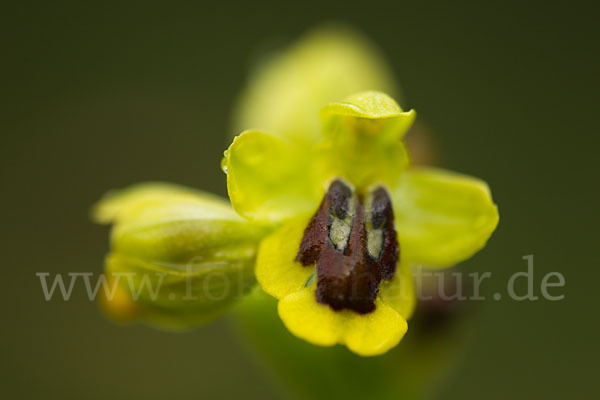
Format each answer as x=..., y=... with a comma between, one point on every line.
x=350, y=219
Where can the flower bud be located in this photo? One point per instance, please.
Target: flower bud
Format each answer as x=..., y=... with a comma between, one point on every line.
x=180, y=256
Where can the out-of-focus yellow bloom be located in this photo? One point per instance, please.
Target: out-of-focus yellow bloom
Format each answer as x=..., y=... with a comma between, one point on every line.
x=180, y=256
x=286, y=91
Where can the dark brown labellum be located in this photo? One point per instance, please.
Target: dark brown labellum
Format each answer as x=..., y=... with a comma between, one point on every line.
x=355, y=248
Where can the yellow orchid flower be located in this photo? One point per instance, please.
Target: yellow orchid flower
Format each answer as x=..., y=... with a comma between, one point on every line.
x=350, y=219
x=328, y=216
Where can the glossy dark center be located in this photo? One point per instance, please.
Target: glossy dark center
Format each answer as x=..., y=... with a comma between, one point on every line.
x=352, y=240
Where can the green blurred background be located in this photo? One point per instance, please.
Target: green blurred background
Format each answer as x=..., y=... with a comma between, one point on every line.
x=98, y=95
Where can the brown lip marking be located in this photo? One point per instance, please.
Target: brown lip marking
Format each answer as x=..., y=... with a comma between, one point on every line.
x=382, y=217
x=349, y=278
x=336, y=200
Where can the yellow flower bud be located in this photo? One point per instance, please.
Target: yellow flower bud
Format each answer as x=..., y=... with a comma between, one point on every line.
x=180, y=256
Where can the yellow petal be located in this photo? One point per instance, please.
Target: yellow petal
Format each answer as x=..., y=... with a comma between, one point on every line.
x=399, y=292
x=117, y=205
x=366, y=335
x=442, y=217
x=276, y=269
x=270, y=179
x=389, y=118
x=178, y=231
x=363, y=138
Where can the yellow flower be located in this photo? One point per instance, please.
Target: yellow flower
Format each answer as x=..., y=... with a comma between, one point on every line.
x=327, y=214
x=350, y=219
